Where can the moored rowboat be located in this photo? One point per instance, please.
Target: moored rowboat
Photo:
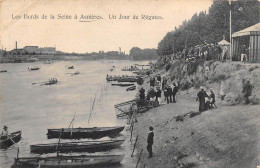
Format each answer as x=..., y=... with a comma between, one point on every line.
x=77, y=133
x=88, y=146
x=122, y=84
x=69, y=161
x=12, y=139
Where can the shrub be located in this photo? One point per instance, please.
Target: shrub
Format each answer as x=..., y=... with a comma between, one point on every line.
x=253, y=68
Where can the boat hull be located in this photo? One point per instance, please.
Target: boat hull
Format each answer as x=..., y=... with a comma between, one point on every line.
x=77, y=133
x=69, y=161
x=84, y=146
x=15, y=136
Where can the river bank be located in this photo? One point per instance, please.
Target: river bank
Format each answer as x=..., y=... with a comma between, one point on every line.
x=227, y=136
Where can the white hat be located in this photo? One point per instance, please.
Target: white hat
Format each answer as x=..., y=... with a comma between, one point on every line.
x=201, y=87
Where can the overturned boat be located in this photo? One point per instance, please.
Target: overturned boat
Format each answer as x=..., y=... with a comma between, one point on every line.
x=77, y=133
x=12, y=138
x=69, y=161
x=82, y=146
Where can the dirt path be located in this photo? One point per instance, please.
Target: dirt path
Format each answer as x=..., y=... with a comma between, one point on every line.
x=223, y=137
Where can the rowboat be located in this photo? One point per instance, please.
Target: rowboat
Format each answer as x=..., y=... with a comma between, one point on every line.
x=128, y=79
x=34, y=69
x=69, y=161
x=77, y=133
x=12, y=139
x=3, y=71
x=86, y=146
x=131, y=88
x=122, y=84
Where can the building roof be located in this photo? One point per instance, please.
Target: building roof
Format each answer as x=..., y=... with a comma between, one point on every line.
x=252, y=30
x=223, y=42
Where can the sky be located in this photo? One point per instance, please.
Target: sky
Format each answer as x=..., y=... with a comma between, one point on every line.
x=23, y=21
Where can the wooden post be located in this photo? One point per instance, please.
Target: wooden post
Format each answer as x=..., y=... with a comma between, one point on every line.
x=17, y=154
x=57, y=150
x=132, y=124
x=139, y=159
x=134, y=146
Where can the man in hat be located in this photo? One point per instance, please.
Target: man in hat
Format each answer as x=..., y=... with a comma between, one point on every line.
x=174, y=92
x=158, y=94
x=150, y=142
x=4, y=134
x=201, y=97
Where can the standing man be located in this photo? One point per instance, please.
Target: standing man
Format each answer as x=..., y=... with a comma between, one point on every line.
x=142, y=93
x=158, y=94
x=169, y=92
x=174, y=92
x=150, y=142
x=201, y=97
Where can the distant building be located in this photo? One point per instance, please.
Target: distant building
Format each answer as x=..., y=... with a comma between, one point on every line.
x=31, y=49
x=38, y=50
x=47, y=50
x=17, y=52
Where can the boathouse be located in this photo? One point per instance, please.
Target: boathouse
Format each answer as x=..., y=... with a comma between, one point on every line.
x=250, y=37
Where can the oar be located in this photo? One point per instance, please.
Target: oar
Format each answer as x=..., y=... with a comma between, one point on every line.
x=12, y=140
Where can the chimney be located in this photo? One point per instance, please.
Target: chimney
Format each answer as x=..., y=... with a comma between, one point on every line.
x=16, y=45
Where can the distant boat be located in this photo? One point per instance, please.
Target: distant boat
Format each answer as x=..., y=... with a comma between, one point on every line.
x=34, y=69
x=81, y=146
x=69, y=161
x=71, y=67
x=77, y=133
x=48, y=62
x=12, y=139
x=3, y=71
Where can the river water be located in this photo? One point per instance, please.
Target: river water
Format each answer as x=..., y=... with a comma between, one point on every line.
x=33, y=108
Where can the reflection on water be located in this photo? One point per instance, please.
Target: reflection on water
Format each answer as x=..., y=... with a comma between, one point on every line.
x=33, y=108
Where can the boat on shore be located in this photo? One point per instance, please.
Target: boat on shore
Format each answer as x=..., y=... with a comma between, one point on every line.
x=122, y=84
x=131, y=88
x=68, y=161
x=81, y=146
x=77, y=133
x=12, y=138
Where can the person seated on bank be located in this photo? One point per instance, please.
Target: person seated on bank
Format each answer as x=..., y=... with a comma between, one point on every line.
x=212, y=99
x=4, y=134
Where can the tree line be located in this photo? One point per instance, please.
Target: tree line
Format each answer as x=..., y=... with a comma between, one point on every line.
x=212, y=26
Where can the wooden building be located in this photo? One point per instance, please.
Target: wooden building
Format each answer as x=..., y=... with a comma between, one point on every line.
x=250, y=37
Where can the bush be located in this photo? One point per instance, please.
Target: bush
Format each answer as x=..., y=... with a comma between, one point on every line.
x=168, y=66
x=253, y=68
x=185, y=85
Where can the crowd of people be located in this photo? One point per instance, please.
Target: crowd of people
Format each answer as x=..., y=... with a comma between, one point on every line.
x=204, y=51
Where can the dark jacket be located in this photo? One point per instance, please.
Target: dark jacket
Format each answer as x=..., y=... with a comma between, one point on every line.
x=169, y=90
x=150, y=138
x=175, y=90
x=158, y=93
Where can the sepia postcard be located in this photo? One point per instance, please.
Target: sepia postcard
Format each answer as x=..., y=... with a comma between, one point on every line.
x=130, y=83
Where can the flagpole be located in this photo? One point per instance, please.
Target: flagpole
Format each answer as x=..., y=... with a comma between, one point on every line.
x=230, y=32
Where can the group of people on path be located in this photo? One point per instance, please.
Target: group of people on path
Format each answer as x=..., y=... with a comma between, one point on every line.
x=206, y=101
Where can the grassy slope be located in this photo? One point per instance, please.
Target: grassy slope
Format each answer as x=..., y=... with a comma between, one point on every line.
x=222, y=137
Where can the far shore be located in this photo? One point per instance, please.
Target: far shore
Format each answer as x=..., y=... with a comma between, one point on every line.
x=40, y=58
